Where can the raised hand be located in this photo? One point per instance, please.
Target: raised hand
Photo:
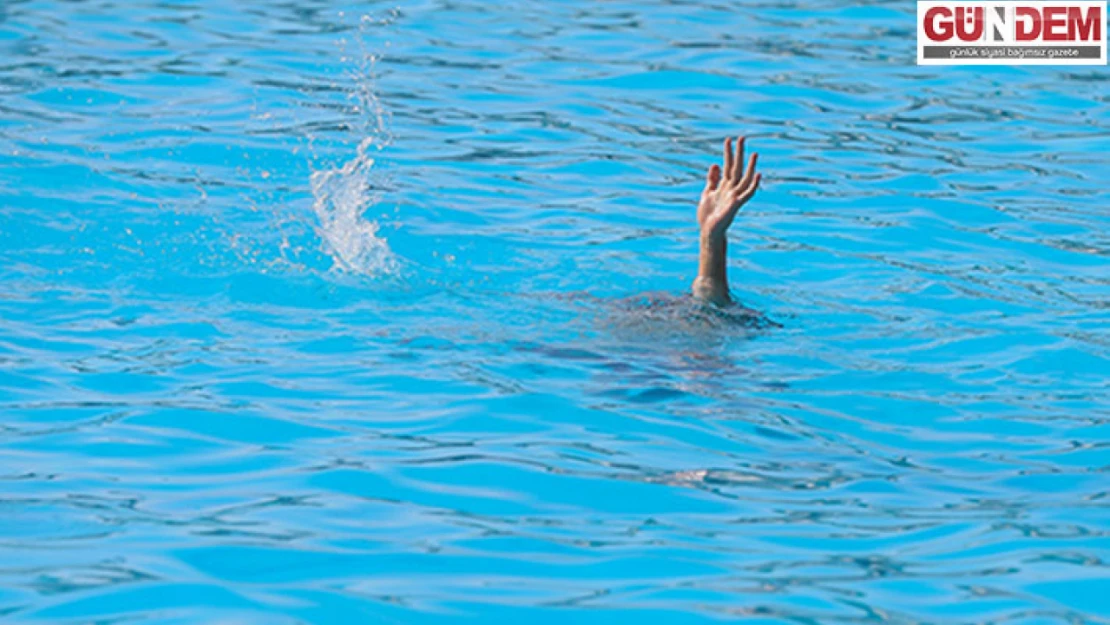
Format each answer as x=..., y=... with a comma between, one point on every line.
x=726, y=190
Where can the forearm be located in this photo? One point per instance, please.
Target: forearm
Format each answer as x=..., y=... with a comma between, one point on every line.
x=711, y=284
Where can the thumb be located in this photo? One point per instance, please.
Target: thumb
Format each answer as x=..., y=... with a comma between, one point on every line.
x=713, y=179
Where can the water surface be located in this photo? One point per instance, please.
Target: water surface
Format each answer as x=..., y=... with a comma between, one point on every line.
x=314, y=313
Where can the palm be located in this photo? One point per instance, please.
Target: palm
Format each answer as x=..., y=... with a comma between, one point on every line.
x=727, y=190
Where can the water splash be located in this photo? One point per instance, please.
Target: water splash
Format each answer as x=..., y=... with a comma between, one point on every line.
x=341, y=196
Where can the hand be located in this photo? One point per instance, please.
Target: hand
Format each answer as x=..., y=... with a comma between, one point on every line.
x=725, y=193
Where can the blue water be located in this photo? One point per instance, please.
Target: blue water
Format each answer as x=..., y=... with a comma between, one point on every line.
x=314, y=313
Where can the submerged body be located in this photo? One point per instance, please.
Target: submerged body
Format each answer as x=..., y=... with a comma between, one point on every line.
x=696, y=312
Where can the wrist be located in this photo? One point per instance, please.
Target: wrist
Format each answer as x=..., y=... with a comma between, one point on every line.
x=712, y=256
x=713, y=239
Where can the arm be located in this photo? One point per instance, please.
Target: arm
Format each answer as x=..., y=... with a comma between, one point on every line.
x=726, y=191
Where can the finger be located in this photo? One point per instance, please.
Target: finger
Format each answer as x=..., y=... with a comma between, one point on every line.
x=746, y=194
x=728, y=156
x=713, y=179
x=749, y=175
x=738, y=163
